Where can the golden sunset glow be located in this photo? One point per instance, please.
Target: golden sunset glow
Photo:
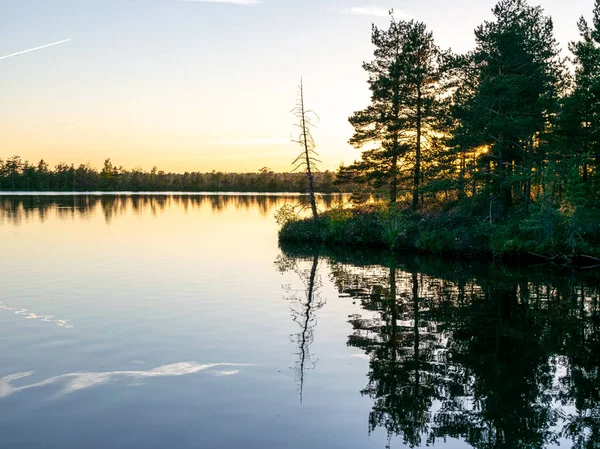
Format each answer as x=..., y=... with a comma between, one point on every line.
x=173, y=88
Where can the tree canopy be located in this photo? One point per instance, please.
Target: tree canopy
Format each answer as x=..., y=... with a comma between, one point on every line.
x=509, y=128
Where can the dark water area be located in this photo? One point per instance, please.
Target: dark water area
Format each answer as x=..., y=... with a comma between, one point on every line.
x=177, y=321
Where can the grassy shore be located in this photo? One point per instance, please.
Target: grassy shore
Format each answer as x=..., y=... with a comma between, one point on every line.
x=559, y=236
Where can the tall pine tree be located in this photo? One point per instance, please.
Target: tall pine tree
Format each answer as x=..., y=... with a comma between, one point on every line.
x=581, y=113
x=519, y=74
x=401, y=120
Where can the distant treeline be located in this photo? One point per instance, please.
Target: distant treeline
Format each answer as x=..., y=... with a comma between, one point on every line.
x=19, y=175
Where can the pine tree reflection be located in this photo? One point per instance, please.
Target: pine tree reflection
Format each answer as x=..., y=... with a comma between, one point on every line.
x=508, y=381
x=403, y=352
x=581, y=383
x=494, y=357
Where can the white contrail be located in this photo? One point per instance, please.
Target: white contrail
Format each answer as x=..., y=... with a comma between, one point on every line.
x=34, y=49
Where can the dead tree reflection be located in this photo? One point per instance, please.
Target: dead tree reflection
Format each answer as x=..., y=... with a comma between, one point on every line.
x=304, y=305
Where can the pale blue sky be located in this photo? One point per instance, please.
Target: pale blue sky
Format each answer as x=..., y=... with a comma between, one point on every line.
x=193, y=85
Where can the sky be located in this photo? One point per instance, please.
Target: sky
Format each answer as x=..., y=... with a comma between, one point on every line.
x=199, y=85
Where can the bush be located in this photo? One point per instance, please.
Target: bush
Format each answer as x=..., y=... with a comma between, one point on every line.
x=300, y=231
x=396, y=226
x=353, y=227
x=286, y=214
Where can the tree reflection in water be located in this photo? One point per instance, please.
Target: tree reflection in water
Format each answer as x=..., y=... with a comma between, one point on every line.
x=495, y=357
x=15, y=209
x=304, y=305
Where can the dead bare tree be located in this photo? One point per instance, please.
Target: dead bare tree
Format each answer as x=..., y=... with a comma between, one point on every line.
x=307, y=159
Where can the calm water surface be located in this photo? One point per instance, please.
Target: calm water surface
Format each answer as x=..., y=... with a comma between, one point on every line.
x=176, y=321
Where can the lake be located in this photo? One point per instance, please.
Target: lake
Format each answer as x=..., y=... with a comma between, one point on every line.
x=177, y=321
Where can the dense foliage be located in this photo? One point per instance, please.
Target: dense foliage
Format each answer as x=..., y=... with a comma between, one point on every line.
x=505, y=125
x=404, y=111
x=545, y=234
x=494, y=151
x=19, y=175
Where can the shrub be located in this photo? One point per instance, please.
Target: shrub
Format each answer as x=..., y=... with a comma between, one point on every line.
x=286, y=214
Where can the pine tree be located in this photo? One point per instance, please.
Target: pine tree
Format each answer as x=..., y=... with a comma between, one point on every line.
x=403, y=79
x=517, y=89
x=581, y=113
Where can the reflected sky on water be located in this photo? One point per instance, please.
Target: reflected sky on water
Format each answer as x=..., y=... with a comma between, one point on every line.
x=178, y=321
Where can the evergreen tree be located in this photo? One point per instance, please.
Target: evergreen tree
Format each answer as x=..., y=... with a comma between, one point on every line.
x=519, y=74
x=581, y=113
x=403, y=79
x=461, y=161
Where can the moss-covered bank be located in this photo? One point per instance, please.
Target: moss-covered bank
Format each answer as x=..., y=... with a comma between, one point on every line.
x=544, y=233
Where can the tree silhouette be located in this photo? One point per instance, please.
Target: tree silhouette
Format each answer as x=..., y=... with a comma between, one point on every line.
x=19, y=175
x=404, y=79
x=304, y=306
x=307, y=159
x=498, y=359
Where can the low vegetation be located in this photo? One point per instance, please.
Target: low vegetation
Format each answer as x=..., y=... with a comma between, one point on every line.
x=563, y=236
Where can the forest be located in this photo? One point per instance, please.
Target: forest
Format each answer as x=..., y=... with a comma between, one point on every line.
x=19, y=175
x=496, y=150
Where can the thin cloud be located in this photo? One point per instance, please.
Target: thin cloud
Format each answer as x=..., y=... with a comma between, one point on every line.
x=375, y=11
x=34, y=49
x=231, y=2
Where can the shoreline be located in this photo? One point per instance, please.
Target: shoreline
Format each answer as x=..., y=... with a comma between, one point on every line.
x=516, y=240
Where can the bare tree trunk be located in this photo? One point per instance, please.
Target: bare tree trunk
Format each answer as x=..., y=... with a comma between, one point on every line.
x=528, y=193
x=505, y=190
x=394, y=173
x=416, y=355
x=461, y=176
x=309, y=176
x=417, y=174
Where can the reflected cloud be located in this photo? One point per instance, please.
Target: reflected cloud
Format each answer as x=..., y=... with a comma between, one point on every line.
x=360, y=356
x=33, y=316
x=72, y=382
x=227, y=373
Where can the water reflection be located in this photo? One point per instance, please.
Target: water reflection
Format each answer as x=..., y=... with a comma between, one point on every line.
x=16, y=209
x=28, y=315
x=304, y=305
x=79, y=381
x=497, y=358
